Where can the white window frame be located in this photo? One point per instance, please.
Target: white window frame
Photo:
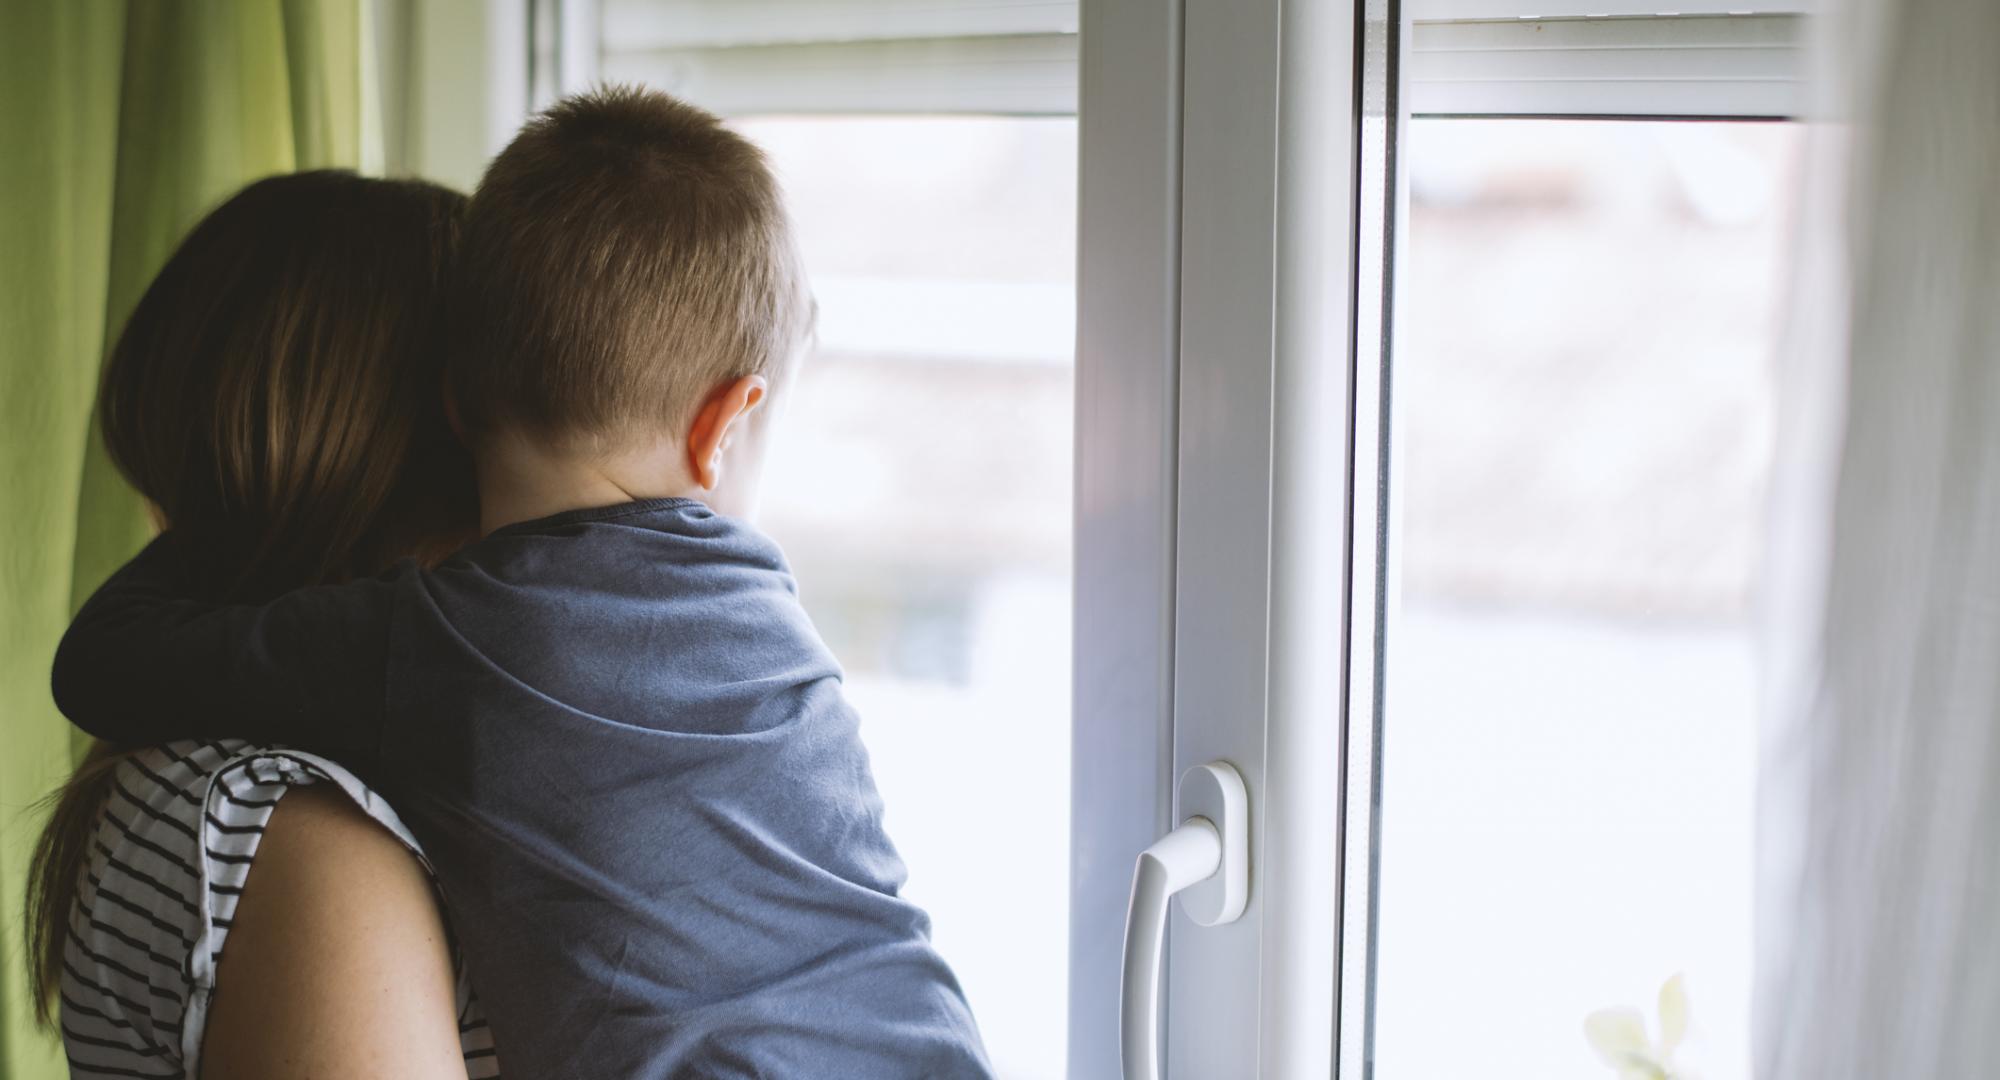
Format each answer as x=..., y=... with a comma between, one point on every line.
x=1243, y=476
x=1127, y=379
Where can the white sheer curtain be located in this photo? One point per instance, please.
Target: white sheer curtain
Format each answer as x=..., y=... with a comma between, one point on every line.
x=1879, y=846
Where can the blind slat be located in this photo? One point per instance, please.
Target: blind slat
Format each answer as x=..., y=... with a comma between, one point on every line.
x=1030, y=75
x=644, y=25
x=1672, y=66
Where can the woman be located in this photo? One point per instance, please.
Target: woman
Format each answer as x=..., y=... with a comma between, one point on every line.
x=274, y=397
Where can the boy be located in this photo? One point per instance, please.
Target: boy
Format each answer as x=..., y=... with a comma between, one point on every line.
x=609, y=721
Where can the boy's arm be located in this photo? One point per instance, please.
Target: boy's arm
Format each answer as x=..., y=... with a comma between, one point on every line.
x=144, y=664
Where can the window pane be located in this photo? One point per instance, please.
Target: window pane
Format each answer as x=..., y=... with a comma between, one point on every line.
x=920, y=485
x=1584, y=412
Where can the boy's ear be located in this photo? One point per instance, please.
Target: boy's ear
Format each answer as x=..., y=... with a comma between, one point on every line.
x=720, y=414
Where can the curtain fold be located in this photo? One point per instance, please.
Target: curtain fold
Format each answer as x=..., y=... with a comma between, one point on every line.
x=59, y=77
x=1879, y=877
x=124, y=121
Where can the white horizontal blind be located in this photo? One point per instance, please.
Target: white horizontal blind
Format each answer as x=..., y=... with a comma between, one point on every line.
x=649, y=24
x=1689, y=65
x=1467, y=57
x=1434, y=10
x=744, y=57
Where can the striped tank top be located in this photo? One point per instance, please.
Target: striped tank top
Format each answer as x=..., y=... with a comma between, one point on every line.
x=168, y=858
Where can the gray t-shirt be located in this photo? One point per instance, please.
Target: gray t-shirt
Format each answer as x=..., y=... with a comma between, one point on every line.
x=626, y=751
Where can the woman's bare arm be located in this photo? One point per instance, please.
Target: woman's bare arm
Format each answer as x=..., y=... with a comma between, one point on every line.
x=337, y=962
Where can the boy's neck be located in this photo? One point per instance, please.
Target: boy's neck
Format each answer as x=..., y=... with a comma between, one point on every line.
x=522, y=481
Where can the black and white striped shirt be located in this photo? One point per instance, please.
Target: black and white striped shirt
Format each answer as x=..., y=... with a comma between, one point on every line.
x=168, y=859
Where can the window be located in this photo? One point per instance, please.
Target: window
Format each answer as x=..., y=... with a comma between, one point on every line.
x=1584, y=405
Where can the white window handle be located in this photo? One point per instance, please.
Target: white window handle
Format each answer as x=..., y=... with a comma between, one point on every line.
x=1207, y=860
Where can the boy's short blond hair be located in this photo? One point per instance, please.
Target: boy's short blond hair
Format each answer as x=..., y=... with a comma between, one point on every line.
x=623, y=255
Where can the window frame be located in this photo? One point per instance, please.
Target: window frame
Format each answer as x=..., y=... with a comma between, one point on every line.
x=1259, y=212
x=1126, y=490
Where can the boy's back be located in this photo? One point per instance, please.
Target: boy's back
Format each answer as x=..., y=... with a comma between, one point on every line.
x=669, y=835
x=627, y=753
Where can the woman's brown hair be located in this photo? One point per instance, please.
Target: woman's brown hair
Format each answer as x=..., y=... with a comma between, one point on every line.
x=276, y=397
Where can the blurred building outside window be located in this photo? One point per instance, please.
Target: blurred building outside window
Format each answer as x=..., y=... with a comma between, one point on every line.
x=1584, y=409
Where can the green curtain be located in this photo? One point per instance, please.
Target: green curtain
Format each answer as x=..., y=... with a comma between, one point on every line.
x=121, y=122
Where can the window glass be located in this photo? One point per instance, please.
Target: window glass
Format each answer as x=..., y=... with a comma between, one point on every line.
x=1583, y=417
x=920, y=485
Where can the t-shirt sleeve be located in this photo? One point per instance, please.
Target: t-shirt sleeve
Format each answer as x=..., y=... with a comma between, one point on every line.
x=241, y=797
x=144, y=663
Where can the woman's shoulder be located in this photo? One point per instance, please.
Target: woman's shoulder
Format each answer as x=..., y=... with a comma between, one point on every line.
x=340, y=962
x=180, y=829
x=202, y=808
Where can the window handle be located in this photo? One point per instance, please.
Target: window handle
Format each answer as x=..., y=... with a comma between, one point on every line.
x=1205, y=860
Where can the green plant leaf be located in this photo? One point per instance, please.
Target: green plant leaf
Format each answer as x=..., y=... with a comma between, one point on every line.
x=1673, y=1015
x=1619, y=1037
